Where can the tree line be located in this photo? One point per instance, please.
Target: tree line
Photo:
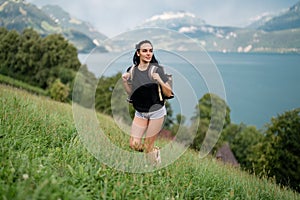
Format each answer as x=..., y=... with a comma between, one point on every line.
x=272, y=152
x=51, y=63
x=44, y=62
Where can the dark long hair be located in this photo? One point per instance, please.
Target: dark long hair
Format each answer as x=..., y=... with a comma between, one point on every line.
x=136, y=58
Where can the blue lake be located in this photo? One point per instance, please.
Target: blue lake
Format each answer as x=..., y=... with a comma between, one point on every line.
x=260, y=86
x=257, y=87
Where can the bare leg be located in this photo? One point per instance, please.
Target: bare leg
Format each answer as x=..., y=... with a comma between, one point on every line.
x=154, y=127
x=138, y=129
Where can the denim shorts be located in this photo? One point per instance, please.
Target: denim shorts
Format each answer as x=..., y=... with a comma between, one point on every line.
x=152, y=115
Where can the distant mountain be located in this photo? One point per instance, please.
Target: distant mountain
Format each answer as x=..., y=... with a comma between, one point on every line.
x=278, y=33
x=287, y=20
x=174, y=20
x=187, y=23
x=259, y=21
x=18, y=15
x=64, y=20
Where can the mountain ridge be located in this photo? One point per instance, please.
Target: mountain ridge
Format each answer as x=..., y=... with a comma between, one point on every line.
x=19, y=14
x=277, y=33
x=289, y=19
x=65, y=20
x=271, y=33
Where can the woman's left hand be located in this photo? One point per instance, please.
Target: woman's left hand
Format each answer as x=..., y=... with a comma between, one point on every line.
x=156, y=77
x=166, y=88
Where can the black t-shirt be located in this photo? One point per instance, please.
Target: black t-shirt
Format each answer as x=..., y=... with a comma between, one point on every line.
x=145, y=95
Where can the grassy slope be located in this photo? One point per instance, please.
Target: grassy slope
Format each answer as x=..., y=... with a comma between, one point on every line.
x=20, y=84
x=43, y=158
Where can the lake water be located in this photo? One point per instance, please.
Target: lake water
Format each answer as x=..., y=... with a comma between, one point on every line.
x=257, y=87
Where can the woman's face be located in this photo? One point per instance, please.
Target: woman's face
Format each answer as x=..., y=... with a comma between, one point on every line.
x=145, y=53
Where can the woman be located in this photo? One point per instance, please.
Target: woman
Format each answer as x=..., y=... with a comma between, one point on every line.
x=144, y=94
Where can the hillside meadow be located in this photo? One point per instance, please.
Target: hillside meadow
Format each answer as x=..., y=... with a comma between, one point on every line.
x=42, y=157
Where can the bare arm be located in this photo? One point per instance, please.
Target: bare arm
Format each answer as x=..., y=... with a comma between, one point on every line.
x=166, y=88
x=127, y=87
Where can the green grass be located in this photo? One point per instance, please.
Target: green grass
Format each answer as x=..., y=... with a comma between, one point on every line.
x=19, y=84
x=42, y=157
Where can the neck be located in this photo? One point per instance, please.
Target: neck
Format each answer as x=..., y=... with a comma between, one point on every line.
x=143, y=66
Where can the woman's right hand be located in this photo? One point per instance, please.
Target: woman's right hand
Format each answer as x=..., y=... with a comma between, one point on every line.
x=127, y=86
x=126, y=76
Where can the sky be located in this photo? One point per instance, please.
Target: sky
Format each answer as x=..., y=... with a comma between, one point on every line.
x=113, y=17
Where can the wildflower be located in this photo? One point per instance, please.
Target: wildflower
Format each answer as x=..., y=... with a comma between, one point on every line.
x=25, y=176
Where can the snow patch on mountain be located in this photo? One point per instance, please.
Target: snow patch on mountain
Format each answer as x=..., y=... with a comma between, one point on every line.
x=171, y=15
x=190, y=29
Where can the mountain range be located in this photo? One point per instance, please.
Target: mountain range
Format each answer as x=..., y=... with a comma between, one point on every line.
x=18, y=15
x=278, y=33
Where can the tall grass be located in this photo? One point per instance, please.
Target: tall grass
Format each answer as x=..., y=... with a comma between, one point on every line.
x=20, y=84
x=42, y=157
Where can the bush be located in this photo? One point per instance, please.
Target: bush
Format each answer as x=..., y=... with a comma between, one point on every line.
x=284, y=152
x=59, y=91
x=277, y=156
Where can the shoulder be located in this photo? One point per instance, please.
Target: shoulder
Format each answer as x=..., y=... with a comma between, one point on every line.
x=159, y=69
x=130, y=67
